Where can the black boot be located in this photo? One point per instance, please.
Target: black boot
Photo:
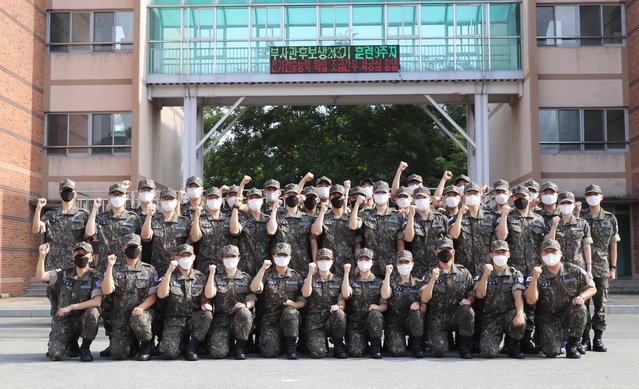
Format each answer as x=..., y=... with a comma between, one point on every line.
x=106, y=352
x=465, y=347
x=240, y=349
x=74, y=348
x=85, y=352
x=585, y=341
x=571, y=348
x=597, y=344
x=145, y=351
x=504, y=350
x=291, y=347
x=376, y=348
x=526, y=345
x=417, y=346
x=513, y=348
x=339, y=350
x=190, y=352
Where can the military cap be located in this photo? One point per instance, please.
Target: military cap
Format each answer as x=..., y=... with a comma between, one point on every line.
x=168, y=192
x=272, y=184
x=184, y=248
x=444, y=242
x=499, y=245
x=415, y=177
x=520, y=189
x=356, y=190
x=254, y=192
x=451, y=188
x=462, y=177
x=194, y=179
x=310, y=190
x=84, y=246
x=337, y=188
x=230, y=249
x=403, y=190
x=323, y=179
x=532, y=184
x=324, y=253
x=592, y=188
x=381, y=186
x=422, y=191
x=292, y=188
x=282, y=248
x=563, y=196
x=364, y=252
x=67, y=184
x=501, y=185
x=404, y=255
x=146, y=183
x=132, y=239
x=366, y=180
x=472, y=186
x=549, y=185
x=233, y=189
x=117, y=187
x=550, y=244
x=213, y=191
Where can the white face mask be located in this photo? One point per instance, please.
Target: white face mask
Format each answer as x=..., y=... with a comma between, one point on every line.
x=551, y=259
x=412, y=188
x=472, y=200
x=566, y=209
x=501, y=198
x=194, y=193
x=230, y=201
x=461, y=189
x=368, y=191
x=324, y=265
x=500, y=260
x=168, y=205
x=364, y=266
x=117, y=201
x=271, y=197
x=282, y=260
x=422, y=204
x=533, y=195
x=593, y=201
x=403, y=202
x=214, y=204
x=452, y=201
x=549, y=199
x=323, y=192
x=381, y=198
x=405, y=269
x=255, y=204
x=146, y=197
x=231, y=262
x=186, y=262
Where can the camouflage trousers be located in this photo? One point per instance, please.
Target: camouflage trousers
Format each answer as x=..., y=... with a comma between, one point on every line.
x=178, y=331
x=493, y=330
x=127, y=328
x=316, y=338
x=221, y=335
x=398, y=327
x=287, y=325
x=64, y=329
x=598, y=321
x=571, y=322
x=460, y=318
x=358, y=333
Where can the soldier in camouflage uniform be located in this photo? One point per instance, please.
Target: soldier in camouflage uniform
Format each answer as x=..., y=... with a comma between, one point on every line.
x=405, y=315
x=331, y=228
x=605, y=235
x=381, y=228
x=449, y=294
x=250, y=230
x=146, y=195
x=502, y=288
x=272, y=195
x=533, y=191
x=501, y=193
x=310, y=204
x=325, y=306
x=132, y=285
x=421, y=231
x=283, y=300
x=548, y=208
x=188, y=314
x=364, y=307
x=79, y=296
x=451, y=199
x=559, y=291
x=194, y=188
x=234, y=301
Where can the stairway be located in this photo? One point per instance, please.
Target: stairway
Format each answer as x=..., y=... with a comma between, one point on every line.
x=36, y=290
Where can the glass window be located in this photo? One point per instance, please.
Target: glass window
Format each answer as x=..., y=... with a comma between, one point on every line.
x=301, y=23
x=78, y=133
x=232, y=24
x=612, y=24
x=122, y=124
x=368, y=22
x=80, y=31
x=85, y=30
x=616, y=129
x=590, y=24
x=56, y=133
x=566, y=22
x=59, y=31
x=545, y=25
x=568, y=129
x=594, y=129
x=581, y=25
x=103, y=30
x=101, y=134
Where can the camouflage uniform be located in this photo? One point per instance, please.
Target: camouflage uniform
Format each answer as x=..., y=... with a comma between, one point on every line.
x=444, y=312
x=72, y=289
x=363, y=324
x=167, y=236
x=472, y=246
x=253, y=241
x=278, y=320
x=296, y=231
x=340, y=240
x=320, y=322
x=427, y=231
x=187, y=210
x=555, y=311
x=184, y=316
x=111, y=231
x=381, y=231
x=146, y=245
x=400, y=320
x=572, y=235
x=230, y=323
x=215, y=235
x=62, y=231
x=525, y=234
x=548, y=216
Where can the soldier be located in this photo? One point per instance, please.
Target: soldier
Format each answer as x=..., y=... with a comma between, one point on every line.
x=283, y=300
x=310, y=204
x=605, y=235
x=501, y=194
x=250, y=228
x=452, y=199
x=405, y=315
x=188, y=313
x=353, y=194
x=234, y=301
x=79, y=296
x=413, y=181
x=272, y=195
x=460, y=182
x=502, y=288
x=549, y=208
x=325, y=305
x=332, y=227
x=533, y=190
x=403, y=200
x=146, y=194
x=364, y=307
x=559, y=291
x=323, y=185
x=133, y=286
x=449, y=292
x=381, y=228
x=422, y=229
x=194, y=188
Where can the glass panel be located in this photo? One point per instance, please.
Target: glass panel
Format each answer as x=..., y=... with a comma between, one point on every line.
x=548, y=130
x=202, y=57
x=81, y=31
x=616, y=128
x=545, y=25
x=334, y=22
x=123, y=30
x=56, y=133
x=122, y=131
x=505, y=20
x=300, y=23
x=199, y=2
x=266, y=23
x=368, y=22
x=435, y=19
x=165, y=24
x=590, y=24
x=101, y=133
x=568, y=128
x=566, y=24
x=593, y=128
x=612, y=25
x=166, y=2
x=469, y=19
x=59, y=31
x=103, y=30
x=78, y=133
x=505, y=54
x=232, y=24
x=437, y=55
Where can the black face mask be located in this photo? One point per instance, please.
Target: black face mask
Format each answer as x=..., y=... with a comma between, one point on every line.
x=521, y=203
x=67, y=195
x=132, y=252
x=292, y=201
x=444, y=256
x=309, y=203
x=337, y=202
x=81, y=260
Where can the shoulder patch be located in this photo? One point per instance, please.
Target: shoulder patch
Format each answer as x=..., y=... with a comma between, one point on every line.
x=98, y=283
x=476, y=278
x=529, y=278
x=58, y=269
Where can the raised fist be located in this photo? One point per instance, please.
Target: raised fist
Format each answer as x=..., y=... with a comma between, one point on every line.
x=536, y=271
x=505, y=210
x=126, y=184
x=173, y=265
x=44, y=249
x=311, y=268
x=389, y=269
x=448, y=175
x=555, y=220
x=41, y=203
x=111, y=260
x=212, y=269
x=347, y=268
x=308, y=177
x=402, y=166
x=434, y=274
x=488, y=268
x=97, y=203
x=246, y=180
x=267, y=263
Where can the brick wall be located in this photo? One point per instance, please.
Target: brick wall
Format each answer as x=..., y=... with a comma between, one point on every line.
x=632, y=28
x=22, y=53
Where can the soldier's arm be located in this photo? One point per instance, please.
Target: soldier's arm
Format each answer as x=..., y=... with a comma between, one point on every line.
x=313, y=248
x=612, y=247
x=386, y=285
x=148, y=302
x=427, y=291
x=147, y=231
x=307, y=288
x=38, y=226
x=501, y=232
x=455, y=229
x=347, y=292
x=400, y=244
x=234, y=226
x=108, y=285
x=196, y=233
x=532, y=292
x=482, y=285
x=409, y=228
x=382, y=306
x=210, y=290
x=519, y=301
x=257, y=285
x=352, y=219
x=316, y=228
x=41, y=274
x=271, y=226
x=398, y=174
x=163, y=288
x=90, y=229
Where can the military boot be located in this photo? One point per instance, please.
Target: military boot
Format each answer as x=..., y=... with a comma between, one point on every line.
x=585, y=341
x=145, y=351
x=597, y=343
x=190, y=352
x=512, y=345
x=74, y=348
x=339, y=350
x=417, y=346
x=526, y=344
x=465, y=347
x=85, y=352
x=106, y=352
x=571, y=348
x=240, y=349
x=376, y=348
x=291, y=347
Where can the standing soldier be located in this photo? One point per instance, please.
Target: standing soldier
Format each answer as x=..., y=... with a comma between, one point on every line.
x=194, y=188
x=364, y=307
x=452, y=198
x=533, y=191
x=310, y=203
x=501, y=193
x=272, y=194
x=405, y=315
x=79, y=296
x=325, y=305
x=146, y=195
x=323, y=186
x=234, y=301
x=250, y=230
x=548, y=207
x=188, y=313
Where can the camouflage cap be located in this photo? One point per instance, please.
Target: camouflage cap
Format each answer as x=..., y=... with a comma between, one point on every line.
x=194, y=180
x=213, y=191
x=233, y=189
x=272, y=184
x=282, y=248
x=366, y=180
x=403, y=191
x=422, y=191
x=499, y=245
x=132, y=239
x=404, y=255
x=381, y=186
x=356, y=190
x=230, y=249
x=532, y=184
x=550, y=244
x=323, y=179
x=292, y=188
x=415, y=177
x=337, y=188
x=472, y=186
x=324, y=253
x=184, y=248
x=549, y=185
x=117, y=187
x=565, y=196
x=462, y=177
x=451, y=188
x=310, y=190
x=520, y=189
x=168, y=192
x=501, y=185
x=254, y=192
x=364, y=252
x=146, y=183
x=67, y=184
x=84, y=246
x=444, y=242
x=592, y=188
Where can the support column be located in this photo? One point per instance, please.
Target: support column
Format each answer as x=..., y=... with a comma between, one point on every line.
x=189, y=141
x=482, y=156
